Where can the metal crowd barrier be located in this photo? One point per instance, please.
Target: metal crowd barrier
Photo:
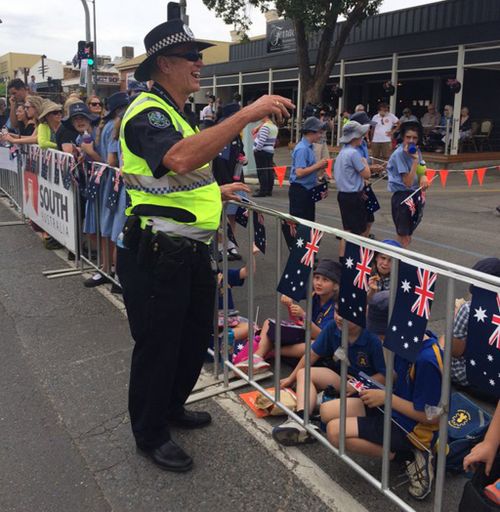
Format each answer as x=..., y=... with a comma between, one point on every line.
x=451, y=272
x=11, y=180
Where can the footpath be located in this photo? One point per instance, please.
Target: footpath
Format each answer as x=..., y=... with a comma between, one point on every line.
x=66, y=443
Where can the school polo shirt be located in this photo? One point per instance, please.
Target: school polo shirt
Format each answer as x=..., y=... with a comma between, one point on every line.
x=303, y=156
x=424, y=389
x=362, y=149
x=322, y=315
x=347, y=168
x=365, y=354
x=400, y=163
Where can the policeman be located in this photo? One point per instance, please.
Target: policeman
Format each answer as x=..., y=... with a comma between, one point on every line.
x=164, y=265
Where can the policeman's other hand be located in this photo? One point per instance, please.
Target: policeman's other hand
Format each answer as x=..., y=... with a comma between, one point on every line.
x=270, y=104
x=229, y=191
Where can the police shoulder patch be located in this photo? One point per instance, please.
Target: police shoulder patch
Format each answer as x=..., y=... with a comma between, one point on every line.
x=158, y=119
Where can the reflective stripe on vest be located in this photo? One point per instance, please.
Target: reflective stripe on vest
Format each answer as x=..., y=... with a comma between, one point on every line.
x=196, y=191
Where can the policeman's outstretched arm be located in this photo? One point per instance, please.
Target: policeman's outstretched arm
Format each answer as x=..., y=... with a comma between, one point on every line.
x=193, y=152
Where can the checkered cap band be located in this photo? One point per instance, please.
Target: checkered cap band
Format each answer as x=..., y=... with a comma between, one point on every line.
x=179, y=37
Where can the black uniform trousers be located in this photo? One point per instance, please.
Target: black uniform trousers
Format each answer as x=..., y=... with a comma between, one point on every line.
x=265, y=171
x=170, y=307
x=301, y=204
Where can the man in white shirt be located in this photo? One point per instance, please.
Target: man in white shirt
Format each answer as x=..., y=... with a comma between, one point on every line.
x=386, y=125
x=207, y=115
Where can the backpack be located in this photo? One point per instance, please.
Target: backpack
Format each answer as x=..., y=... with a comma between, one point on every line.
x=467, y=425
x=473, y=497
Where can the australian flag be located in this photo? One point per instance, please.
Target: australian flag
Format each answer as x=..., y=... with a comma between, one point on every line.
x=371, y=202
x=411, y=312
x=259, y=232
x=482, y=352
x=416, y=204
x=319, y=192
x=356, y=271
x=293, y=282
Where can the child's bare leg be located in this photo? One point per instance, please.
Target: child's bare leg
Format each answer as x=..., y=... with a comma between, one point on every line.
x=331, y=410
x=265, y=344
x=320, y=379
x=297, y=350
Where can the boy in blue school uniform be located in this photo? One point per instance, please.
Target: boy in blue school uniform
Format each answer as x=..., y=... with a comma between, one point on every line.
x=364, y=353
x=350, y=172
x=403, y=181
x=418, y=385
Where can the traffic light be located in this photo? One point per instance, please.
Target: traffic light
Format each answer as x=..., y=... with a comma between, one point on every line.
x=81, y=50
x=90, y=53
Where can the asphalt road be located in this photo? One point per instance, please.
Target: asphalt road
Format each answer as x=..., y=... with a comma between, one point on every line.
x=66, y=442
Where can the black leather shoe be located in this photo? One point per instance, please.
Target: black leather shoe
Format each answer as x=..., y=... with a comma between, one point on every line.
x=169, y=456
x=259, y=194
x=190, y=419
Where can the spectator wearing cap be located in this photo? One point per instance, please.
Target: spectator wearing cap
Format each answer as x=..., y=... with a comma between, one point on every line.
x=403, y=181
x=305, y=170
x=408, y=117
x=66, y=135
x=489, y=266
x=386, y=124
x=350, y=171
x=362, y=117
x=265, y=136
x=326, y=282
x=50, y=121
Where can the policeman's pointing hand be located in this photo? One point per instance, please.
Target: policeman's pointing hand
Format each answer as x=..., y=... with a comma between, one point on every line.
x=229, y=191
x=270, y=104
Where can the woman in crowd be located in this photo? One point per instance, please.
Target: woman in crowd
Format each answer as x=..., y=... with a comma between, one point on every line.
x=263, y=150
x=50, y=121
x=95, y=105
x=32, y=108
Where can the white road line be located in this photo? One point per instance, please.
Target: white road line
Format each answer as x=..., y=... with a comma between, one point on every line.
x=334, y=496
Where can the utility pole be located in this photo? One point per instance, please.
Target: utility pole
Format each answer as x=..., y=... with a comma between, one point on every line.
x=96, y=60
x=87, y=38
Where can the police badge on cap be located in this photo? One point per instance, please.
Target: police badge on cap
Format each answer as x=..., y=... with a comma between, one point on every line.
x=161, y=39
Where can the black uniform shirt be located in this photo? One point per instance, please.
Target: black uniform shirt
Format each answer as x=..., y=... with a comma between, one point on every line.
x=152, y=133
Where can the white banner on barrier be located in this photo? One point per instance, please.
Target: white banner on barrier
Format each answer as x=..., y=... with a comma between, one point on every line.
x=48, y=198
x=6, y=162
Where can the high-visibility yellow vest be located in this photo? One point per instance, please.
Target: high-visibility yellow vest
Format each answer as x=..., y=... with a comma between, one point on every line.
x=195, y=192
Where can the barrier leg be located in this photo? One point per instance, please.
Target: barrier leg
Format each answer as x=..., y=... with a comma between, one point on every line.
x=250, y=267
x=277, y=331
x=308, y=407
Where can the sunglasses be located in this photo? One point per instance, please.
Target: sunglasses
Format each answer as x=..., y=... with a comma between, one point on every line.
x=191, y=56
x=56, y=113
x=96, y=103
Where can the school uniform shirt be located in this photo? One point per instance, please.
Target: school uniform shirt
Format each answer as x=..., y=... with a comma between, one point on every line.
x=424, y=388
x=303, y=156
x=322, y=315
x=384, y=124
x=400, y=163
x=347, y=168
x=363, y=151
x=365, y=354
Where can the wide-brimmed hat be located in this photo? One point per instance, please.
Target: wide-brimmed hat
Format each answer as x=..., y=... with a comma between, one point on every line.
x=165, y=36
x=79, y=109
x=313, y=124
x=362, y=118
x=353, y=130
x=49, y=106
x=330, y=269
x=115, y=101
x=488, y=266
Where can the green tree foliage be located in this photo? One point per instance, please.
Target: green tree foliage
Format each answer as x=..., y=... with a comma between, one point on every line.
x=312, y=19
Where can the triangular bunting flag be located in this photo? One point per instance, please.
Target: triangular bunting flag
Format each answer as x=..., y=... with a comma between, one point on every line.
x=443, y=174
x=480, y=175
x=328, y=169
x=469, y=174
x=430, y=173
x=280, y=171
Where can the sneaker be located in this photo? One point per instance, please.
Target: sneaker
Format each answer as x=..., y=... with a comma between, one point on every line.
x=96, y=280
x=51, y=244
x=291, y=433
x=497, y=211
x=233, y=254
x=421, y=474
x=259, y=365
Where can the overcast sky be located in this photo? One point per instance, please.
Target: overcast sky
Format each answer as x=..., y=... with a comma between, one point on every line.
x=53, y=27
